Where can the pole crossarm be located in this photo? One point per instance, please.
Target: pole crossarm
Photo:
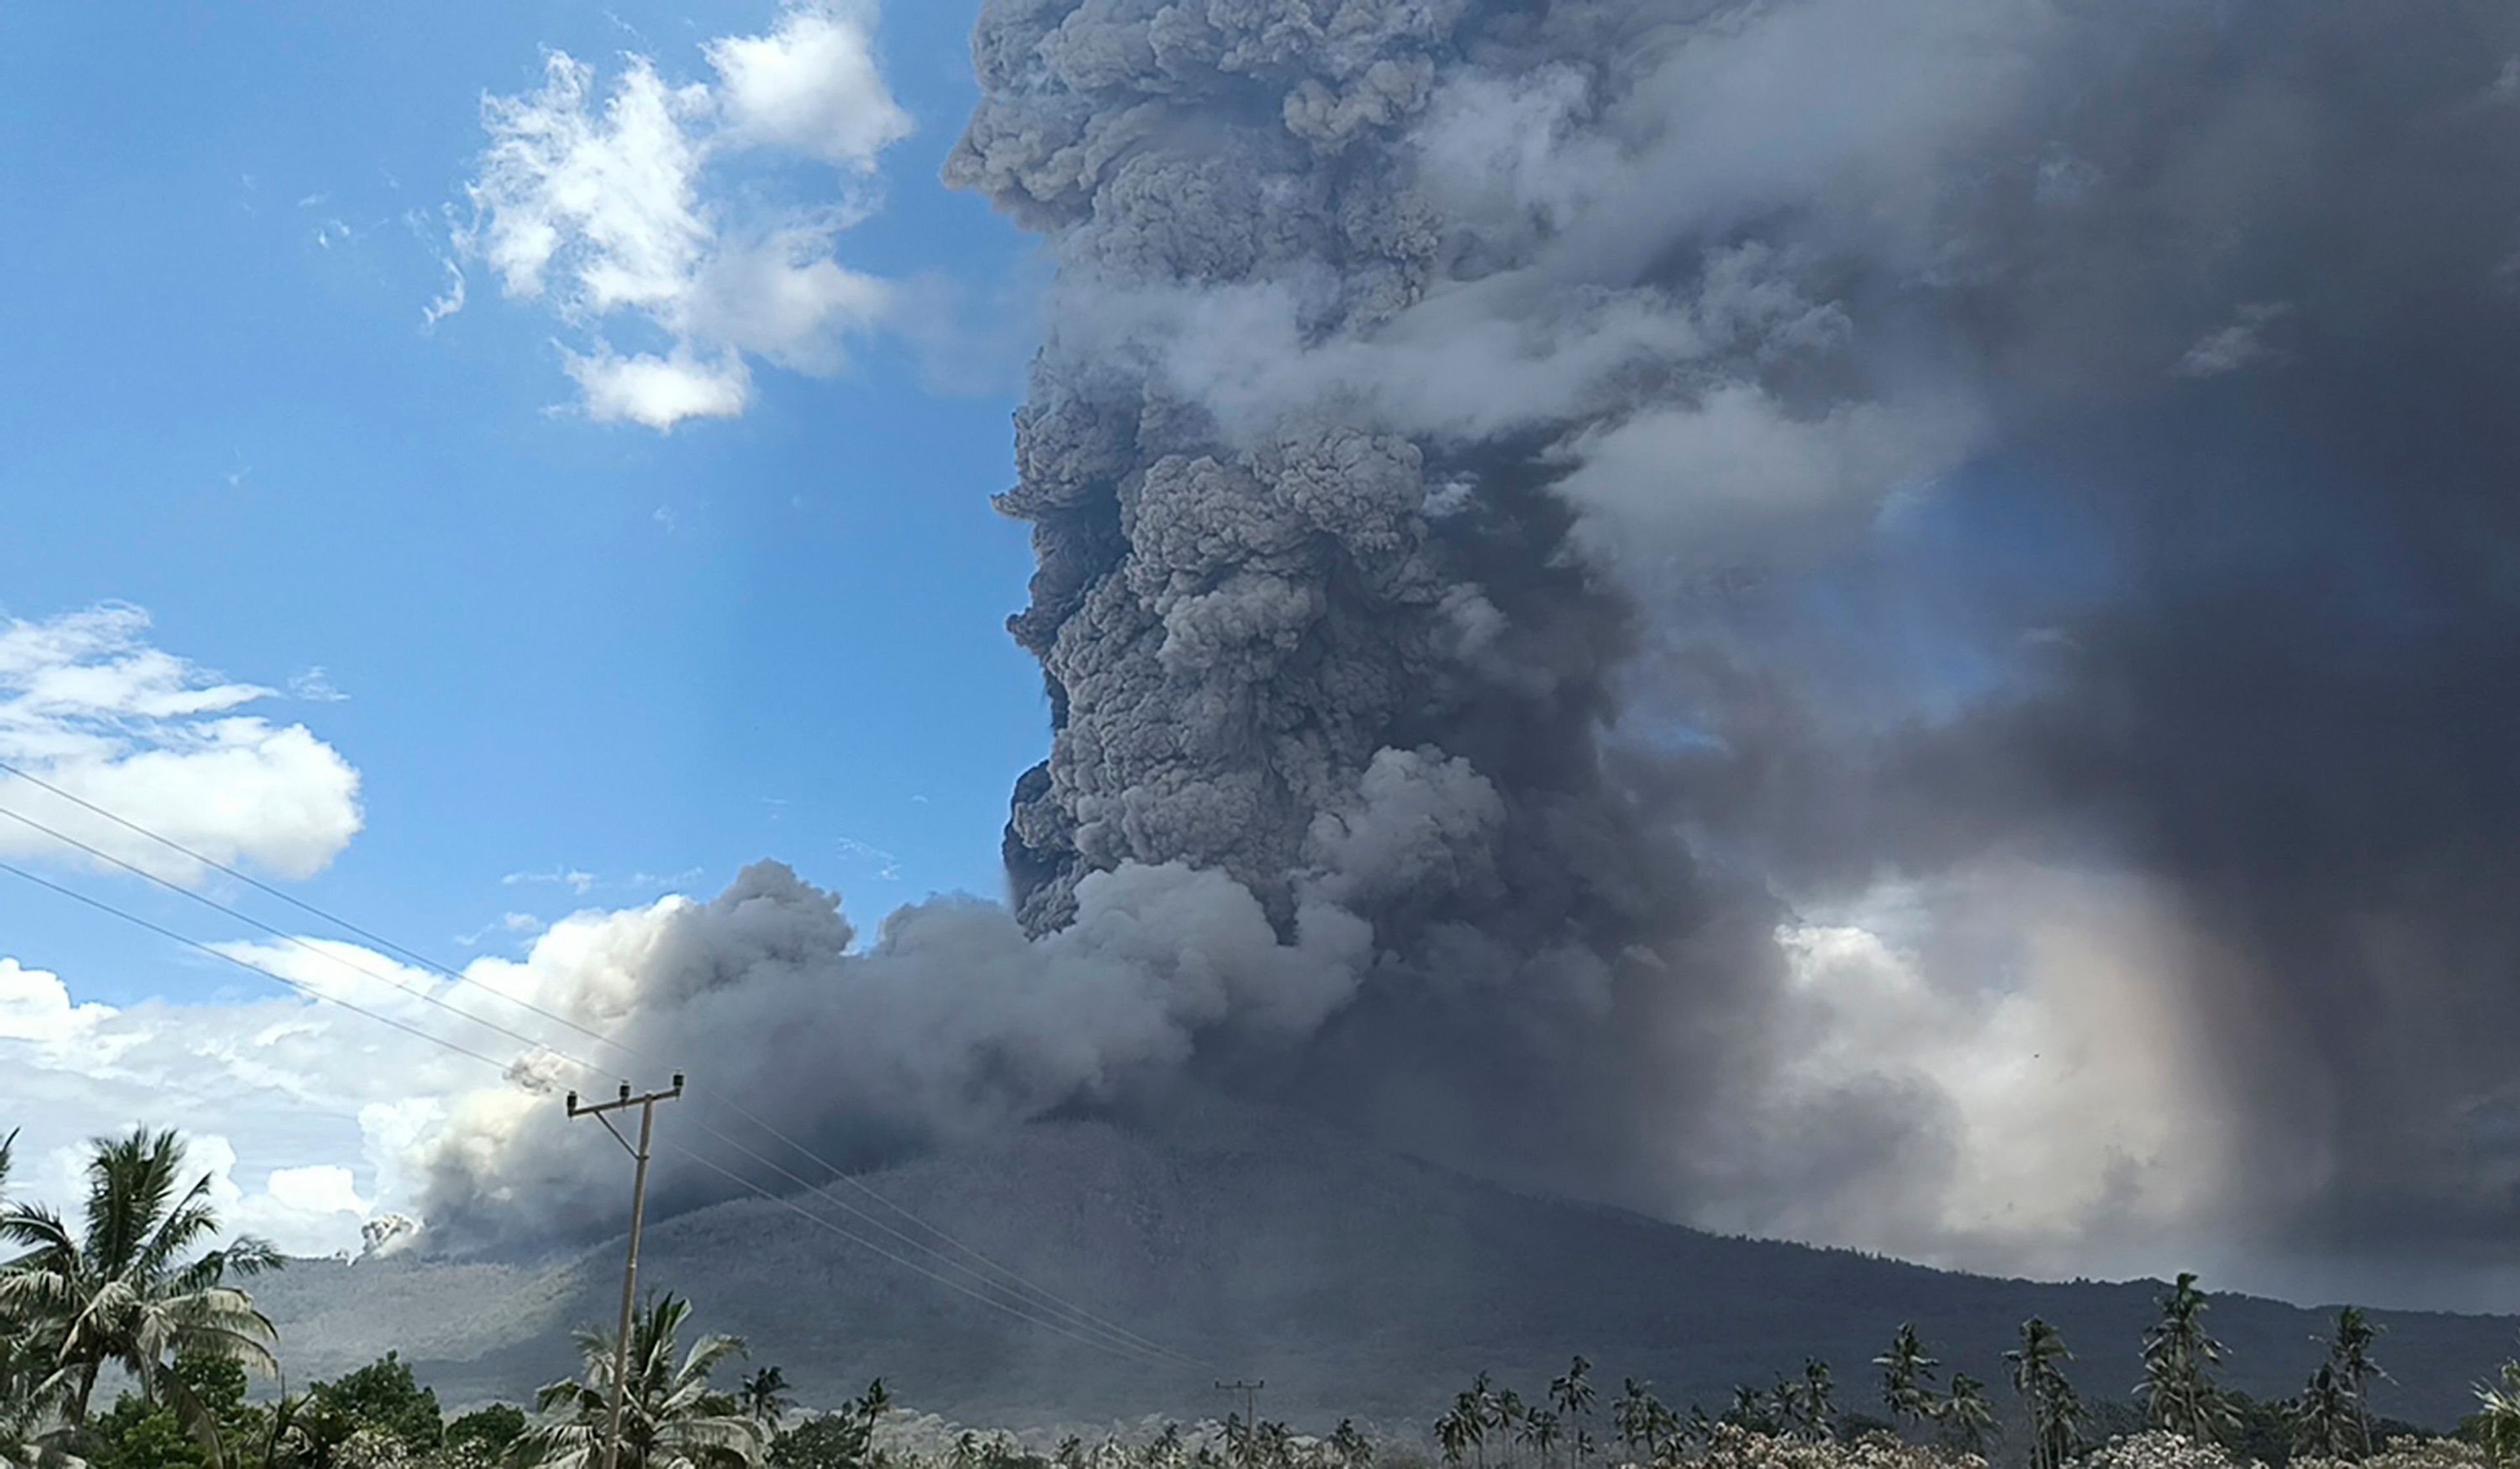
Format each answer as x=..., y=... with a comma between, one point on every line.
x=1250, y=1392
x=647, y=1104
x=578, y=1108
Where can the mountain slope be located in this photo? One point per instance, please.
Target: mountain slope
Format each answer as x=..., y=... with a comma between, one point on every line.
x=1352, y=1280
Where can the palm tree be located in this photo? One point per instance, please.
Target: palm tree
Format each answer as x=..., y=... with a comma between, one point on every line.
x=1818, y=1399
x=2322, y=1420
x=1540, y=1431
x=32, y=1433
x=2497, y=1416
x=1637, y=1415
x=1506, y=1413
x=1966, y=1418
x=2178, y=1390
x=282, y=1433
x=765, y=1398
x=1907, y=1377
x=1571, y=1394
x=671, y=1417
x=2046, y=1397
x=876, y=1401
x=31, y=1395
x=1452, y=1435
x=1350, y=1449
x=121, y=1290
x=1750, y=1412
x=1785, y=1411
x=1276, y=1448
x=1472, y=1409
x=2348, y=1351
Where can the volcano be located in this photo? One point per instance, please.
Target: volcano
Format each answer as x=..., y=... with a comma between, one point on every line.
x=1353, y=1280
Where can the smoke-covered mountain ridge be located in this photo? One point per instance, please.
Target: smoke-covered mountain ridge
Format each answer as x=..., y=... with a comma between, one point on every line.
x=1353, y=1280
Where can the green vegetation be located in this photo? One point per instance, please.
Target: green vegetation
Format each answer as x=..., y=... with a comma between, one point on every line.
x=125, y=1288
x=135, y=1288
x=671, y=1417
x=2178, y=1391
x=483, y=1435
x=2179, y=1417
x=845, y=1440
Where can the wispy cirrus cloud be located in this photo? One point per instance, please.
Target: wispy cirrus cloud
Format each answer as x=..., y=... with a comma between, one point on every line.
x=575, y=879
x=315, y=686
x=581, y=882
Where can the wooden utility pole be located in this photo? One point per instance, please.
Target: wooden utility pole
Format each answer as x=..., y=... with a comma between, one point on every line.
x=646, y=1106
x=1250, y=1392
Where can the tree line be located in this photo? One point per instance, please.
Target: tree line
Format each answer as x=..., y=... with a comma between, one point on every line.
x=2178, y=1392
x=137, y=1290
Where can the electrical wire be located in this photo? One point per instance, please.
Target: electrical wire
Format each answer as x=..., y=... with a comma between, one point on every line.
x=320, y=997
x=309, y=991
x=1140, y=1357
x=1047, y=1303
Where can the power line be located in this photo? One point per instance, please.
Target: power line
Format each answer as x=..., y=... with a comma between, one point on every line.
x=287, y=937
x=379, y=940
x=309, y=991
x=1140, y=1357
x=1046, y=1300
x=216, y=866
x=1013, y=1283
x=1140, y=1345
x=538, y=1043
x=321, y=998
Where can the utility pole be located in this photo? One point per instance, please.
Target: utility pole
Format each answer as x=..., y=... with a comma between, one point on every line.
x=646, y=1106
x=1250, y=1392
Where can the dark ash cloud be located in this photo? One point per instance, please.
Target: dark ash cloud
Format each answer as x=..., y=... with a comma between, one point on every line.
x=1680, y=588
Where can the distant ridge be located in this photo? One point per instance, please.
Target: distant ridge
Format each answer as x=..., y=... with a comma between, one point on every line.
x=1354, y=1280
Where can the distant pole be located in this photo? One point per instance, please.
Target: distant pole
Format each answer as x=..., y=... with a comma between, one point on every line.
x=646, y=1106
x=1250, y=1392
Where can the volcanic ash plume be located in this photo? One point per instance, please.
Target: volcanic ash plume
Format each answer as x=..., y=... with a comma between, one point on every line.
x=1656, y=598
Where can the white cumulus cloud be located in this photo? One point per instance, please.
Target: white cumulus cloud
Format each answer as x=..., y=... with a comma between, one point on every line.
x=299, y=1112
x=813, y=85
x=35, y=1007
x=661, y=391
x=610, y=206
x=87, y=704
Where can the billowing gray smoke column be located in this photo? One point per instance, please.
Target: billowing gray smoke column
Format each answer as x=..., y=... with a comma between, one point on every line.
x=1291, y=633
x=1776, y=611
x=1970, y=428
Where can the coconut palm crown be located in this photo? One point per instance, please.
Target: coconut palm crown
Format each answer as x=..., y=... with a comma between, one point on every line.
x=671, y=1416
x=2178, y=1390
x=127, y=1286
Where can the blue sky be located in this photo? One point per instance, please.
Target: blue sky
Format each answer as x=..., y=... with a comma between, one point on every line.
x=561, y=645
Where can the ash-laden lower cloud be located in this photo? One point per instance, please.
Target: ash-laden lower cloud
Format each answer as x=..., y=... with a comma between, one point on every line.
x=1888, y=622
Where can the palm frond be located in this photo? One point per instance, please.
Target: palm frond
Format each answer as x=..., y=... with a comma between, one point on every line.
x=131, y=1181
x=37, y=1227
